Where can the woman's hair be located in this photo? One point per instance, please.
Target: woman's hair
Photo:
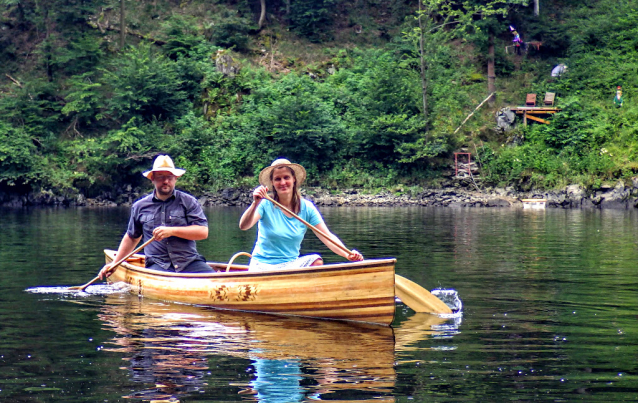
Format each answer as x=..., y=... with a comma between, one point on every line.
x=296, y=194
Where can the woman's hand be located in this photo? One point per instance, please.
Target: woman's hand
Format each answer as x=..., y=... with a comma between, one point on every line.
x=250, y=216
x=261, y=192
x=355, y=256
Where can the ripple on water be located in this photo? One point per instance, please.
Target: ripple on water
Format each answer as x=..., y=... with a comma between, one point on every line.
x=100, y=289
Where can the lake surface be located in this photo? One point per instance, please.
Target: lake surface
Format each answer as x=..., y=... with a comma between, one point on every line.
x=549, y=314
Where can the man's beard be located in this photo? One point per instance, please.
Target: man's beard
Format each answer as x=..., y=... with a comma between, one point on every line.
x=164, y=193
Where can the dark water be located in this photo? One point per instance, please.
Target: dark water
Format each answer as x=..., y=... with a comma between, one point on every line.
x=549, y=315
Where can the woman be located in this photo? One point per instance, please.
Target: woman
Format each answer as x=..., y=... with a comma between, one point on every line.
x=280, y=234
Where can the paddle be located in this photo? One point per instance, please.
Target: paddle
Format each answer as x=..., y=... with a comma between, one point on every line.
x=83, y=287
x=412, y=294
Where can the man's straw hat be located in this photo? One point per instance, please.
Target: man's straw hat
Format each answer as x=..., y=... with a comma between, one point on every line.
x=164, y=163
x=264, y=175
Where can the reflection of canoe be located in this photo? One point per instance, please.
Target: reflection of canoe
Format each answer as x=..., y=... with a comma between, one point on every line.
x=183, y=341
x=416, y=329
x=354, y=291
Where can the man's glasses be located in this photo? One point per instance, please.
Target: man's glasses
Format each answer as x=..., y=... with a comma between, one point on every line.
x=162, y=178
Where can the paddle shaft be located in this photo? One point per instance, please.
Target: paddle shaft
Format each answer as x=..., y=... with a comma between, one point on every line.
x=312, y=227
x=119, y=262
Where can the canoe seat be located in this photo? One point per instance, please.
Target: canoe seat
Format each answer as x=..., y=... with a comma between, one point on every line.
x=136, y=261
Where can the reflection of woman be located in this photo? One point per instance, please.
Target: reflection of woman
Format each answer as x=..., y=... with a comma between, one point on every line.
x=277, y=381
x=280, y=234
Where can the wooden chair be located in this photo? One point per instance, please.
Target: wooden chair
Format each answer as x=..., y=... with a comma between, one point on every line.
x=530, y=100
x=549, y=98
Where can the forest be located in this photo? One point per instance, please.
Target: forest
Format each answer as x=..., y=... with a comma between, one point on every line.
x=366, y=94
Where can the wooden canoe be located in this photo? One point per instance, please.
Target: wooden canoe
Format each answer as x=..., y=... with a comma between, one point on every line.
x=354, y=291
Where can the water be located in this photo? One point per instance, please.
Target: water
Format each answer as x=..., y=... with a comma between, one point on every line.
x=548, y=314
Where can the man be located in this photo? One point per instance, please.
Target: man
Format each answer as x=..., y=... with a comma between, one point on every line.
x=173, y=217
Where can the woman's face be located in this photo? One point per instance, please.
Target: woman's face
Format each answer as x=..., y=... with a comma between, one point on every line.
x=283, y=180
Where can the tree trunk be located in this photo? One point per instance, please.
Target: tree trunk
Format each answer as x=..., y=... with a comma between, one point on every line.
x=122, y=25
x=424, y=82
x=262, y=16
x=491, y=75
x=537, y=7
x=48, y=45
x=287, y=7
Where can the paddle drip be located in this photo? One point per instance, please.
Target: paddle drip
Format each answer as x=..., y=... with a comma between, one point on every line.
x=450, y=298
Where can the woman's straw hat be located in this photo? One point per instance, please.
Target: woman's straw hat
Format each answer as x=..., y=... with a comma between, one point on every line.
x=264, y=175
x=164, y=163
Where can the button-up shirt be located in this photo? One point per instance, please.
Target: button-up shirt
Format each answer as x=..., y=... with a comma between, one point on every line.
x=179, y=210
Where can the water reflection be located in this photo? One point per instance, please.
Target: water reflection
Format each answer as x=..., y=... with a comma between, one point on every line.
x=173, y=351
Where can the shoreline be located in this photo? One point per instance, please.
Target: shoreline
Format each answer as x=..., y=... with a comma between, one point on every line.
x=621, y=196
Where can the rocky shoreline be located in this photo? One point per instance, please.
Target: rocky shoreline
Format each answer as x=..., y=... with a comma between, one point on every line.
x=621, y=196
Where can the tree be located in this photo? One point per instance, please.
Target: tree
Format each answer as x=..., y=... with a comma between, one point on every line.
x=440, y=21
x=490, y=24
x=122, y=25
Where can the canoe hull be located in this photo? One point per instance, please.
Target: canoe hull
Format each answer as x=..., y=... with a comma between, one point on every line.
x=355, y=291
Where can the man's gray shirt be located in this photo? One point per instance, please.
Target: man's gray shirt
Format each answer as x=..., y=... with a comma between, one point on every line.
x=179, y=210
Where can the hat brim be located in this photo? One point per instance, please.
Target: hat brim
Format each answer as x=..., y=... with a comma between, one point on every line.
x=175, y=171
x=264, y=175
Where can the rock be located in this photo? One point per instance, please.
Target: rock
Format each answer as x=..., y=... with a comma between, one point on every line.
x=80, y=200
x=497, y=203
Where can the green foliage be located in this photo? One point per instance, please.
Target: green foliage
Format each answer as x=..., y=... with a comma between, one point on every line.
x=182, y=36
x=143, y=82
x=88, y=116
x=289, y=119
x=231, y=31
x=312, y=18
x=84, y=99
x=35, y=108
x=20, y=163
x=386, y=134
x=569, y=129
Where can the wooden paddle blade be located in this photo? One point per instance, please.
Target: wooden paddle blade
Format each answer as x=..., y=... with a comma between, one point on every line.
x=83, y=287
x=417, y=297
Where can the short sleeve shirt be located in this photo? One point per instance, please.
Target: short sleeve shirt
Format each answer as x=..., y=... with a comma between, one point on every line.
x=279, y=237
x=179, y=210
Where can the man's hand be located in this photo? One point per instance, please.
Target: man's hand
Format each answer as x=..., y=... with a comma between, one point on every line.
x=106, y=271
x=162, y=232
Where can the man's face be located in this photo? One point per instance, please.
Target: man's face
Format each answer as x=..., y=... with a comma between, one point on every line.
x=164, y=182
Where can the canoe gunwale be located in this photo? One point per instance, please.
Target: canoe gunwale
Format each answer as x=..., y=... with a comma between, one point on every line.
x=110, y=254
